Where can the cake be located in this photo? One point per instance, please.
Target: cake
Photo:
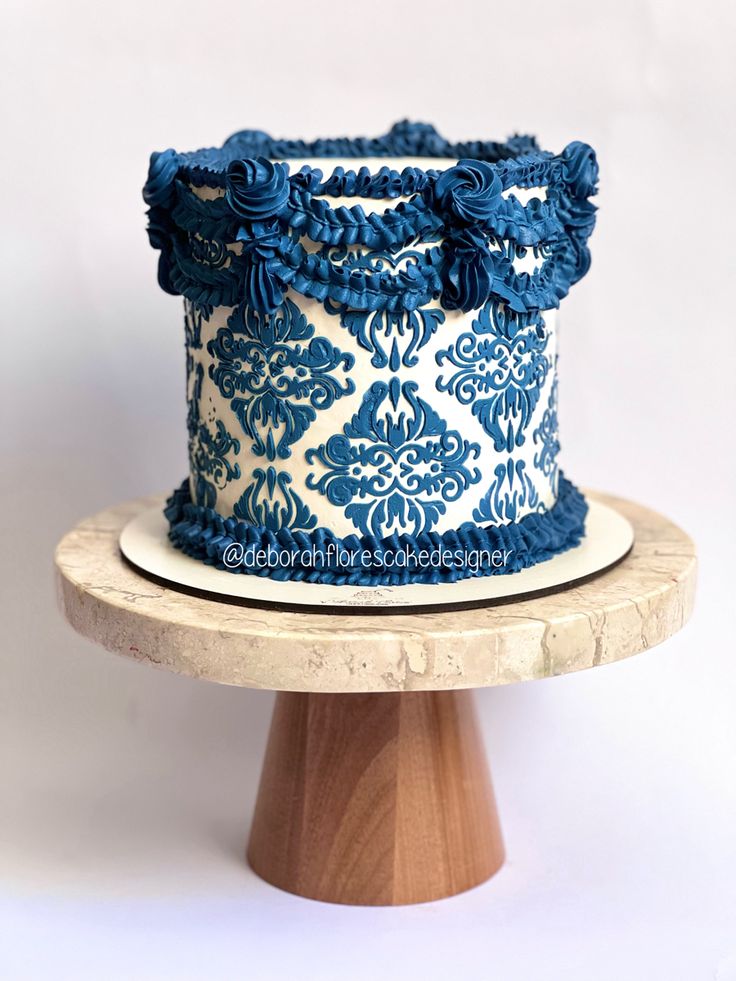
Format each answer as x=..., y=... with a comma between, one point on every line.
x=371, y=351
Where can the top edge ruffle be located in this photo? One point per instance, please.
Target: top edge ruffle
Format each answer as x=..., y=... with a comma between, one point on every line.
x=404, y=139
x=267, y=209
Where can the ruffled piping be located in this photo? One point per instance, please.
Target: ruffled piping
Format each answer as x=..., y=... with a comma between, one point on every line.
x=203, y=534
x=205, y=168
x=316, y=220
x=564, y=222
x=318, y=278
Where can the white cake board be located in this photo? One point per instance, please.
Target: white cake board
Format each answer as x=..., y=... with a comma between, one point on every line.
x=144, y=543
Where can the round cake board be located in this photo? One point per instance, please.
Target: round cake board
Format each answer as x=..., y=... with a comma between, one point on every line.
x=144, y=543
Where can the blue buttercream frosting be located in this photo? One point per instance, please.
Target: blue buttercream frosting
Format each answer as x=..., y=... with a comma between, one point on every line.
x=159, y=188
x=260, y=245
x=470, y=191
x=256, y=189
x=467, y=194
x=389, y=370
x=318, y=555
x=580, y=167
x=468, y=273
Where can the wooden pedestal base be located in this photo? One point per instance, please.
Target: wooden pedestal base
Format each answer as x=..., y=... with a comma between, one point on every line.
x=375, y=799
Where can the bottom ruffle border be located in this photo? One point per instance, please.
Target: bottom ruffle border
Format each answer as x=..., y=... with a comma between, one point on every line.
x=321, y=556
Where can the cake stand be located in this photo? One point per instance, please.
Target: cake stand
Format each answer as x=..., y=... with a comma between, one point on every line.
x=375, y=788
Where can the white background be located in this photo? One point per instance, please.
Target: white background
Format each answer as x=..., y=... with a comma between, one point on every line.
x=125, y=794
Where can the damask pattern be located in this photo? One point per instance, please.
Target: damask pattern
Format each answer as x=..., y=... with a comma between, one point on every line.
x=500, y=368
x=512, y=489
x=547, y=435
x=211, y=252
x=209, y=451
x=277, y=375
x=270, y=502
x=372, y=260
x=403, y=332
x=396, y=465
x=193, y=318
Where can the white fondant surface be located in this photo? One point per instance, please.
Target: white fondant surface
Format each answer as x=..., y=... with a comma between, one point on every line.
x=609, y=536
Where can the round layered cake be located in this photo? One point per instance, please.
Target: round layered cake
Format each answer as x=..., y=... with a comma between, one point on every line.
x=371, y=351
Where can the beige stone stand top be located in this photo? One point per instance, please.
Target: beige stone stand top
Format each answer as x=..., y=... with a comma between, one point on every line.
x=639, y=603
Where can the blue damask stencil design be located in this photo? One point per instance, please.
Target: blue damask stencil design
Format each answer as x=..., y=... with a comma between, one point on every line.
x=208, y=450
x=277, y=374
x=501, y=369
x=210, y=252
x=193, y=318
x=375, y=260
x=402, y=332
x=396, y=464
x=547, y=435
x=197, y=372
x=511, y=490
x=269, y=502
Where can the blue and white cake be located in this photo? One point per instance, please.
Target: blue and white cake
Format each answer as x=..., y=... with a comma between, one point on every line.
x=371, y=349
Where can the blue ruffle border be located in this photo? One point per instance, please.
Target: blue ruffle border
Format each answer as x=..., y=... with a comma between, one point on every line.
x=203, y=534
x=266, y=208
x=405, y=139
